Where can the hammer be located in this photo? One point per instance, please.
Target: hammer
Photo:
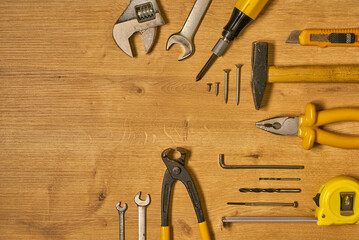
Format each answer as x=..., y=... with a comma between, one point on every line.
x=262, y=73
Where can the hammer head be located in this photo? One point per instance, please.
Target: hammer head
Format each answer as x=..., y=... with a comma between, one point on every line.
x=259, y=71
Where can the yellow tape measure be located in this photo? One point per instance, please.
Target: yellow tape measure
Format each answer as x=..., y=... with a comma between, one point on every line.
x=338, y=201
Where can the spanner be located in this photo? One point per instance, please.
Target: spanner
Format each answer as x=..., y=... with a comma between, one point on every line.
x=186, y=35
x=121, y=212
x=142, y=215
x=140, y=16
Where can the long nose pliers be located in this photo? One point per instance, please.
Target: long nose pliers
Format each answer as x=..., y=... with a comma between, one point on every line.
x=177, y=171
x=307, y=127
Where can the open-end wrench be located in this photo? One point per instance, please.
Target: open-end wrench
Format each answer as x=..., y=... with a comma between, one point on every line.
x=186, y=35
x=142, y=215
x=121, y=212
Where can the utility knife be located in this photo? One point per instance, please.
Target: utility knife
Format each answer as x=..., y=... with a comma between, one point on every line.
x=326, y=37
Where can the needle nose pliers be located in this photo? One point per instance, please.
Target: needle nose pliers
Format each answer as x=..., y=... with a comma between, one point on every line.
x=307, y=127
x=177, y=171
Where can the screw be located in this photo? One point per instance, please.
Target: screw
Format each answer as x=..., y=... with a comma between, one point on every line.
x=217, y=88
x=238, y=83
x=209, y=86
x=226, y=71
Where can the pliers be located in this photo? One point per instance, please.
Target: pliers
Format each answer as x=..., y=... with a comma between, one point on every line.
x=177, y=171
x=307, y=127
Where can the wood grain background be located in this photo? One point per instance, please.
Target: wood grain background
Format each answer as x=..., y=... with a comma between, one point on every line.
x=82, y=125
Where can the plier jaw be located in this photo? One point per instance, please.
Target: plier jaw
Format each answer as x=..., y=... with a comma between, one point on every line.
x=280, y=125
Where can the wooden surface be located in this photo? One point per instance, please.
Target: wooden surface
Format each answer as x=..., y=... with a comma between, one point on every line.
x=82, y=125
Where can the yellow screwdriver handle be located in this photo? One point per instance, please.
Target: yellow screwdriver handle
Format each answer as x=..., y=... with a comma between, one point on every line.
x=251, y=8
x=309, y=122
x=305, y=37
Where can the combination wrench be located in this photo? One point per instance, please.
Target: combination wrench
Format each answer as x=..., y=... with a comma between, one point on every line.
x=186, y=35
x=121, y=212
x=142, y=215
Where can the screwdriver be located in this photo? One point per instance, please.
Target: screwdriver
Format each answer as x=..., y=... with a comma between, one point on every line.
x=244, y=12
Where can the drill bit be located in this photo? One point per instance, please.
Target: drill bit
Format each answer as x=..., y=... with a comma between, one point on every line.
x=281, y=179
x=270, y=190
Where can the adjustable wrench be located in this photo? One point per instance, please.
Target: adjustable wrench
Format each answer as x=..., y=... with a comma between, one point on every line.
x=186, y=35
x=121, y=212
x=142, y=215
x=140, y=16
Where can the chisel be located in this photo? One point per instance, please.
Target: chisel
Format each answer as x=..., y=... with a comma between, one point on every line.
x=244, y=12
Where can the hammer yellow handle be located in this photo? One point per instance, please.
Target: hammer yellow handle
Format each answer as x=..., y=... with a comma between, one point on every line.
x=314, y=74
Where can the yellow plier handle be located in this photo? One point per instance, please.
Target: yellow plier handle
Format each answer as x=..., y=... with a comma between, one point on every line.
x=309, y=131
x=203, y=230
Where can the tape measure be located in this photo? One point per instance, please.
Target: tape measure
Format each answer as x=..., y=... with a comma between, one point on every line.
x=338, y=201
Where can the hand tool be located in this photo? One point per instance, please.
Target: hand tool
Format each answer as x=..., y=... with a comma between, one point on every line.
x=121, y=213
x=221, y=163
x=209, y=86
x=281, y=179
x=176, y=170
x=261, y=73
x=270, y=190
x=326, y=37
x=238, y=83
x=307, y=126
x=269, y=204
x=226, y=72
x=186, y=35
x=140, y=16
x=217, y=88
x=142, y=205
x=337, y=203
x=244, y=12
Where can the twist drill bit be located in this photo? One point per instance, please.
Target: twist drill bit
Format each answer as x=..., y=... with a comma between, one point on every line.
x=270, y=190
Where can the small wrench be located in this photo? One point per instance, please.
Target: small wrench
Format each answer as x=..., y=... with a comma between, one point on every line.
x=186, y=35
x=121, y=212
x=142, y=205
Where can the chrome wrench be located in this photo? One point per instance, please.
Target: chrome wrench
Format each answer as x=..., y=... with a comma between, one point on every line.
x=186, y=35
x=121, y=212
x=142, y=215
